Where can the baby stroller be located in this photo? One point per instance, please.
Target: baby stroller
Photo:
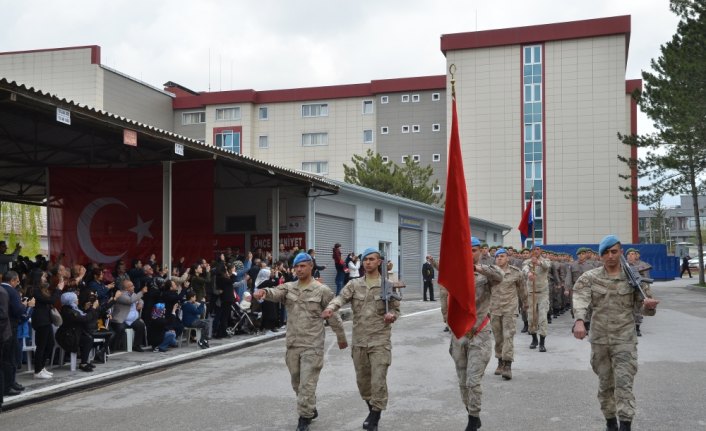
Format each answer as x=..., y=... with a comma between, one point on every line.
x=244, y=321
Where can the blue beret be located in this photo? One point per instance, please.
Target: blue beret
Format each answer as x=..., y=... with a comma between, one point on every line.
x=500, y=251
x=475, y=242
x=370, y=250
x=606, y=243
x=302, y=257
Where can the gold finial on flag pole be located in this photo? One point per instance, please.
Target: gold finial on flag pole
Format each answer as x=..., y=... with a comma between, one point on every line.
x=452, y=71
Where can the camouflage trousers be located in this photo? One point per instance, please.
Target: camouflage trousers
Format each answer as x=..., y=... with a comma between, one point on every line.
x=504, y=328
x=471, y=356
x=637, y=314
x=558, y=298
x=543, y=307
x=616, y=366
x=444, y=298
x=371, y=365
x=305, y=364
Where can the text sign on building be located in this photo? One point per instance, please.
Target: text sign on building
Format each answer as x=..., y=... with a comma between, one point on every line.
x=179, y=149
x=411, y=222
x=290, y=240
x=63, y=116
x=130, y=137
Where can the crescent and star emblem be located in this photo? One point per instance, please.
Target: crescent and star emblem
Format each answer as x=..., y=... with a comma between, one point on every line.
x=83, y=229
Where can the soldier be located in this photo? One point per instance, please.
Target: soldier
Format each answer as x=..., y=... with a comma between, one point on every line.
x=443, y=297
x=613, y=338
x=633, y=258
x=305, y=299
x=536, y=269
x=485, y=257
x=577, y=268
x=503, y=312
x=372, y=320
x=559, y=273
x=471, y=353
x=522, y=307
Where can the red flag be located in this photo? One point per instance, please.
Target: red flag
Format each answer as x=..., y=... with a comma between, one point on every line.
x=456, y=261
x=526, y=224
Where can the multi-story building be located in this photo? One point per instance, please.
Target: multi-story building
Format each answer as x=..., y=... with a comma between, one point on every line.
x=672, y=225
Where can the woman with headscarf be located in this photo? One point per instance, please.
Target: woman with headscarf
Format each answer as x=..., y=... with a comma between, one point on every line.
x=78, y=322
x=269, y=309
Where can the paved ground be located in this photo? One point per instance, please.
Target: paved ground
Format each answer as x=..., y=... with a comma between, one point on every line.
x=248, y=388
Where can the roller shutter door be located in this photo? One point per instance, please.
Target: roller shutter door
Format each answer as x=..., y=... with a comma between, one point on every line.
x=411, y=257
x=329, y=231
x=434, y=244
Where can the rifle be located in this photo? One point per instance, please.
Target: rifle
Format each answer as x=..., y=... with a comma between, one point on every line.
x=388, y=288
x=634, y=277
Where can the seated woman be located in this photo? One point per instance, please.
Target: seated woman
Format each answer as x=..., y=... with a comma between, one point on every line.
x=77, y=323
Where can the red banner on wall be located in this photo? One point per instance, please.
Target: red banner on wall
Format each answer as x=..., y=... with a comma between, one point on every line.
x=290, y=239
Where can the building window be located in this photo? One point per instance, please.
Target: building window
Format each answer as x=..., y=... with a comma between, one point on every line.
x=193, y=118
x=533, y=157
x=405, y=98
x=263, y=142
x=405, y=129
x=416, y=158
x=436, y=157
x=367, y=136
x=367, y=107
x=415, y=98
x=436, y=189
x=435, y=127
x=404, y=158
x=226, y=114
x=227, y=139
x=315, y=167
x=415, y=128
x=378, y=215
x=263, y=113
x=435, y=97
x=315, y=110
x=384, y=130
x=384, y=99
x=385, y=159
x=314, y=139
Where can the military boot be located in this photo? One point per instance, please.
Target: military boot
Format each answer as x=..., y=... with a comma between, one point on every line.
x=374, y=419
x=525, y=328
x=549, y=318
x=473, y=423
x=499, y=370
x=611, y=424
x=625, y=425
x=507, y=370
x=303, y=424
x=541, y=343
x=637, y=328
x=533, y=345
x=370, y=413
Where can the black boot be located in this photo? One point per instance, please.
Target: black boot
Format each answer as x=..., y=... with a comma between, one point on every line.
x=473, y=423
x=541, y=343
x=525, y=328
x=637, y=328
x=549, y=318
x=303, y=424
x=499, y=370
x=611, y=424
x=625, y=425
x=370, y=413
x=374, y=419
x=533, y=345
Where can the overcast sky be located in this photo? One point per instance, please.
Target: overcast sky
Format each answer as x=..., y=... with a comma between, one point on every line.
x=273, y=44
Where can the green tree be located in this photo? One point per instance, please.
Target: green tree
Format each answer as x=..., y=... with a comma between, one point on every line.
x=22, y=223
x=674, y=98
x=410, y=180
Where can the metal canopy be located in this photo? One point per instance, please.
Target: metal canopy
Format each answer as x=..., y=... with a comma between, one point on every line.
x=32, y=140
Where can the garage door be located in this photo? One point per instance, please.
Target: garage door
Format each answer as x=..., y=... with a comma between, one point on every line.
x=434, y=244
x=411, y=257
x=329, y=231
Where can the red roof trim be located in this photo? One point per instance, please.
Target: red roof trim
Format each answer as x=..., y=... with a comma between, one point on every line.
x=538, y=33
x=95, y=51
x=311, y=93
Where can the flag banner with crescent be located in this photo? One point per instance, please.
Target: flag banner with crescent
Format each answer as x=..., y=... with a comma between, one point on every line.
x=104, y=215
x=456, y=260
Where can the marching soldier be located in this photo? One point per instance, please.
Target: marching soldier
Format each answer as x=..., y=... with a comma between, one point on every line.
x=503, y=312
x=517, y=262
x=536, y=269
x=471, y=353
x=613, y=337
x=633, y=258
x=485, y=257
x=372, y=328
x=577, y=268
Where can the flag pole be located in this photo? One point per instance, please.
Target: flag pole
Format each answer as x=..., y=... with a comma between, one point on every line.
x=535, y=308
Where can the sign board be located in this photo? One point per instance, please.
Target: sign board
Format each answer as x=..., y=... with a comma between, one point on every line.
x=63, y=116
x=179, y=149
x=130, y=137
x=293, y=239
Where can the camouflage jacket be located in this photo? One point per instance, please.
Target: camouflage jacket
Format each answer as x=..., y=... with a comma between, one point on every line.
x=487, y=280
x=503, y=298
x=305, y=327
x=575, y=270
x=613, y=301
x=541, y=283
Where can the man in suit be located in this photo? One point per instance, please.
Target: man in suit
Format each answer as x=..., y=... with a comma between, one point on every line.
x=428, y=277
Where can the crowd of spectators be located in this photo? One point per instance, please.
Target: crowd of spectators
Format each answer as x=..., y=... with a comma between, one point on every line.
x=86, y=308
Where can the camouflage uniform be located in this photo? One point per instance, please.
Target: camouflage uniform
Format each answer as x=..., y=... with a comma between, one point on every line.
x=576, y=269
x=503, y=311
x=471, y=353
x=371, y=348
x=305, y=336
x=540, y=288
x=517, y=263
x=644, y=269
x=613, y=337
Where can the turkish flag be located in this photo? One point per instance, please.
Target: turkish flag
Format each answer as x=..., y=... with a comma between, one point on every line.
x=103, y=215
x=456, y=261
